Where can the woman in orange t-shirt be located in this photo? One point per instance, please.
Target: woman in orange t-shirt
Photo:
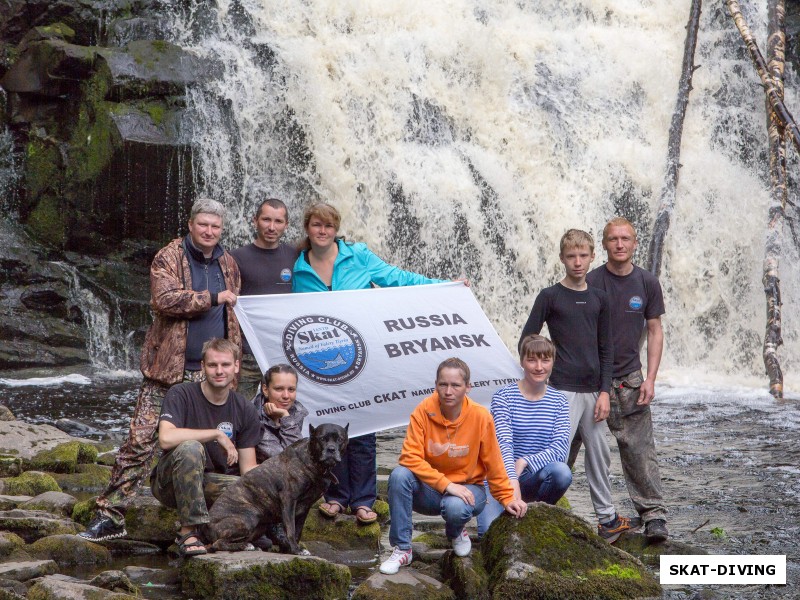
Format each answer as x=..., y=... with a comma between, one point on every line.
x=449, y=450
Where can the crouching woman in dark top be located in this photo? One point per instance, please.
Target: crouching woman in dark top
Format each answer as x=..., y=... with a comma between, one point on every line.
x=280, y=413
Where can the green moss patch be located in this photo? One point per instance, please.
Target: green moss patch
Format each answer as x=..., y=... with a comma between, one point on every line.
x=552, y=554
x=64, y=458
x=87, y=478
x=247, y=575
x=69, y=550
x=343, y=532
x=31, y=483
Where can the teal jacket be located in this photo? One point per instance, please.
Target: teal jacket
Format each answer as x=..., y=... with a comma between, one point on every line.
x=355, y=268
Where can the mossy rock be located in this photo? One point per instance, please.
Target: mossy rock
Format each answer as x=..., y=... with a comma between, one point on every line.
x=107, y=458
x=10, y=466
x=83, y=511
x=552, y=554
x=10, y=543
x=87, y=478
x=247, y=575
x=32, y=525
x=64, y=458
x=466, y=576
x=650, y=554
x=342, y=532
x=147, y=520
x=57, y=503
x=58, y=588
x=69, y=550
x=381, y=508
x=31, y=483
x=408, y=583
x=434, y=541
x=11, y=502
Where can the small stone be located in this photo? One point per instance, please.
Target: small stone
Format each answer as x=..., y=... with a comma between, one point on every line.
x=31, y=483
x=407, y=583
x=148, y=576
x=6, y=414
x=60, y=588
x=32, y=525
x=116, y=581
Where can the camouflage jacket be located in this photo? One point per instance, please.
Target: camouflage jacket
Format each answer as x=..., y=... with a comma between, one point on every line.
x=174, y=302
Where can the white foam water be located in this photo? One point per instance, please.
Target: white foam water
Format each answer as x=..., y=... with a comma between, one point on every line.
x=73, y=378
x=468, y=135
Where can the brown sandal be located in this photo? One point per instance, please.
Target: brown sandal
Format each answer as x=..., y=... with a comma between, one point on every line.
x=370, y=516
x=331, y=509
x=184, y=544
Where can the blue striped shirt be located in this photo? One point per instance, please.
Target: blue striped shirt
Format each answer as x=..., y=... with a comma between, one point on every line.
x=536, y=430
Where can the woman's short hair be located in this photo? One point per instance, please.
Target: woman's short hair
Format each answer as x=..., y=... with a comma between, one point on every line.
x=538, y=346
x=323, y=211
x=207, y=206
x=275, y=369
x=454, y=363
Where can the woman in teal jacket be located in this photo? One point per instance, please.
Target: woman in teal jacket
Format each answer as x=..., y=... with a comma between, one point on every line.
x=328, y=263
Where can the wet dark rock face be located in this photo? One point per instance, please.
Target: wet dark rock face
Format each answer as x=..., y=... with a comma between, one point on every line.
x=93, y=97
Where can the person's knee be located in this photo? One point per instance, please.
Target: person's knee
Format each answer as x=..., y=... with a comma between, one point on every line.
x=401, y=478
x=190, y=453
x=455, y=510
x=562, y=475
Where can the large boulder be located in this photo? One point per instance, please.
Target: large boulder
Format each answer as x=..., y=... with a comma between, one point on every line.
x=25, y=440
x=25, y=570
x=553, y=554
x=147, y=520
x=246, y=575
x=10, y=544
x=87, y=478
x=342, y=532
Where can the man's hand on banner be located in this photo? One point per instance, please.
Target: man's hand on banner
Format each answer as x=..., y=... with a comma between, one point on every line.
x=460, y=491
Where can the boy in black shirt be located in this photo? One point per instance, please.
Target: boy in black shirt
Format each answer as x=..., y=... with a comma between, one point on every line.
x=578, y=319
x=207, y=431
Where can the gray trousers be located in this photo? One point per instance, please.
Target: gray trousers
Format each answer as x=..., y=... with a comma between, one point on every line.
x=632, y=425
x=597, y=459
x=179, y=481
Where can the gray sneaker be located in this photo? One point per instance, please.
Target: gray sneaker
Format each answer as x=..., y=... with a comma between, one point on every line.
x=656, y=531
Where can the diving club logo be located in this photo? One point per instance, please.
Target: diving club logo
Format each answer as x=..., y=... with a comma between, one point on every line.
x=635, y=302
x=286, y=275
x=324, y=349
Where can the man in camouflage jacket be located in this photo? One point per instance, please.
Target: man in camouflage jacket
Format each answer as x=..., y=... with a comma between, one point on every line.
x=193, y=285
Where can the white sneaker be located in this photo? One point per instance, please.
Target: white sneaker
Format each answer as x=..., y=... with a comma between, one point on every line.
x=399, y=558
x=462, y=544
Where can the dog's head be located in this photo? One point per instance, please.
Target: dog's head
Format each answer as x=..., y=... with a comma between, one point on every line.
x=326, y=443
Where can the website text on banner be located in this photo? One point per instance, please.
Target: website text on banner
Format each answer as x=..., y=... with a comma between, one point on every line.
x=368, y=357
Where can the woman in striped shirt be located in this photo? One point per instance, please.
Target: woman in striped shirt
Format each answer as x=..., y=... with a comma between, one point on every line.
x=532, y=424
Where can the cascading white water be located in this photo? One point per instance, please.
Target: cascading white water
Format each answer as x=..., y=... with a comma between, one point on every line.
x=468, y=135
x=110, y=347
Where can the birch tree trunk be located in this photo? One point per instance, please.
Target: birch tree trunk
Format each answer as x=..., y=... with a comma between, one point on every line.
x=774, y=98
x=667, y=201
x=776, y=45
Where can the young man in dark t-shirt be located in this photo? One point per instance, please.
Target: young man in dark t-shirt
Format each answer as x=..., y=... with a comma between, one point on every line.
x=578, y=319
x=207, y=431
x=266, y=268
x=637, y=304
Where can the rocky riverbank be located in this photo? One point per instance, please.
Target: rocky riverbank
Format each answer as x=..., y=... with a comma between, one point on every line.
x=48, y=481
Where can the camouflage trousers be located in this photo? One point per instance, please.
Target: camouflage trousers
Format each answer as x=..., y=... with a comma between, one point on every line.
x=133, y=463
x=632, y=425
x=180, y=481
x=249, y=377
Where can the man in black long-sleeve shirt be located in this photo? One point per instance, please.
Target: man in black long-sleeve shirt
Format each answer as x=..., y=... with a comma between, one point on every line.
x=579, y=322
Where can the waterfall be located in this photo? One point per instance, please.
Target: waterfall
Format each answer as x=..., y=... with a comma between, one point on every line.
x=468, y=135
x=109, y=345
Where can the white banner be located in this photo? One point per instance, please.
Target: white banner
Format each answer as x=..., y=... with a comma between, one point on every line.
x=368, y=357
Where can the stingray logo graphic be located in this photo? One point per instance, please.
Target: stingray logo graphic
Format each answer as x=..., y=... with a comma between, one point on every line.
x=324, y=349
x=635, y=302
x=286, y=275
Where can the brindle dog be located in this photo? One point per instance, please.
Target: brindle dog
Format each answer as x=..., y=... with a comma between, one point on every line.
x=274, y=498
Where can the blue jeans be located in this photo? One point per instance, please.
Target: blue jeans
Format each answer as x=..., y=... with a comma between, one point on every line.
x=548, y=484
x=357, y=474
x=407, y=494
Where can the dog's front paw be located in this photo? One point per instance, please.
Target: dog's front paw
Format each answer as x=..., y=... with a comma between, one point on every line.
x=304, y=552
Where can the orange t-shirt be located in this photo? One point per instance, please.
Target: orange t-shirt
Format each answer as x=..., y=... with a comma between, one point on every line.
x=440, y=452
